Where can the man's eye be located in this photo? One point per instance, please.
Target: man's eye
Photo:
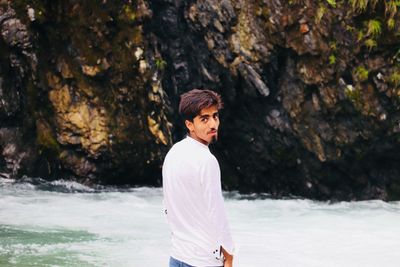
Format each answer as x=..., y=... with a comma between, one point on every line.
x=204, y=119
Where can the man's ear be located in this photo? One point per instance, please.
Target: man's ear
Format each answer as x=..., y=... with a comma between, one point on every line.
x=189, y=125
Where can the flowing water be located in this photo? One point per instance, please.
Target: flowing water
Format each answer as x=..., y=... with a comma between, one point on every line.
x=64, y=223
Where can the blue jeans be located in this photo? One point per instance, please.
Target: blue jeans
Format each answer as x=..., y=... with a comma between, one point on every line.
x=176, y=263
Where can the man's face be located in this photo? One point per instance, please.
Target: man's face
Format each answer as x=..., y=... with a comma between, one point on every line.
x=204, y=127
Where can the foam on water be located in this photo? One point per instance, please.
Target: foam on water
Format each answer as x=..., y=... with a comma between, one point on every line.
x=64, y=223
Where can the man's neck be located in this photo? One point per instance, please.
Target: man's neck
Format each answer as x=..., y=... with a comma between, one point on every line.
x=198, y=140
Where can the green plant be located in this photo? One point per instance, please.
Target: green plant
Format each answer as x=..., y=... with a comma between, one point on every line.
x=331, y=2
x=391, y=23
x=45, y=137
x=354, y=94
x=361, y=73
x=332, y=59
x=391, y=7
x=360, y=35
x=395, y=78
x=361, y=5
x=129, y=13
x=370, y=43
x=350, y=28
x=374, y=27
x=320, y=13
x=160, y=63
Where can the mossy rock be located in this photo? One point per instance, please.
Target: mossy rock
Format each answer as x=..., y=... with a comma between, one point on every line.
x=45, y=137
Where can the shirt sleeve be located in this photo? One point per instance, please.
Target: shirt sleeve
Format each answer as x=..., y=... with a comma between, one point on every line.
x=211, y=182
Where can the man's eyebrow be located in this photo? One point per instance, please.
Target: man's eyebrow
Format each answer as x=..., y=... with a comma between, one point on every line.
x=206, y=115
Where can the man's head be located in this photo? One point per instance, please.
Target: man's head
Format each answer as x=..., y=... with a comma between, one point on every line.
x=199, y=109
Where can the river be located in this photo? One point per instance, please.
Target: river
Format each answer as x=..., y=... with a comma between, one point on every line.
x=63, y=223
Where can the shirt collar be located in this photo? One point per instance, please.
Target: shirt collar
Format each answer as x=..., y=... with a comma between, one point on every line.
x=194, y=141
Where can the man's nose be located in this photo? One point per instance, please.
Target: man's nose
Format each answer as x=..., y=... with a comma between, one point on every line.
x=212, y=123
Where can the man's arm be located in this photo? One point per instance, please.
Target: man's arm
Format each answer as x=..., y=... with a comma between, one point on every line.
x=211, y=180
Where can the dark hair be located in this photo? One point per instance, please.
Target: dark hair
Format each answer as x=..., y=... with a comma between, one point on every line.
x=195, y=100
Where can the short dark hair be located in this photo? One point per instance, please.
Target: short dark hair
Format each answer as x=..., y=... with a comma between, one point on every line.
x=195, y=100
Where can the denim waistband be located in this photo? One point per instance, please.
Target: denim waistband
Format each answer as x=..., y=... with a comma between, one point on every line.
x=177, y=263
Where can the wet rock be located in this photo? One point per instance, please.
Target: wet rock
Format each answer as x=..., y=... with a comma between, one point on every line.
x=312, y=71
x=90, y=70
x=10, y=101
x=16, y=153
x=14, y=33
x=253, y=78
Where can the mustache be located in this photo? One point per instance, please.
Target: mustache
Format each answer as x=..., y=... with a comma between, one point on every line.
x=213, y=131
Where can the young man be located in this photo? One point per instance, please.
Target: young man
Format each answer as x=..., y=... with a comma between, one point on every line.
x=192, y=188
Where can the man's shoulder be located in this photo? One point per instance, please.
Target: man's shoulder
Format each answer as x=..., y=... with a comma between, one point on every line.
x=177, y=146
x=177, y=149
x=189, y=150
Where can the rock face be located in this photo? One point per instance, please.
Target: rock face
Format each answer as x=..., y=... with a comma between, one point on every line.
x=88, y=99
x=89, y=90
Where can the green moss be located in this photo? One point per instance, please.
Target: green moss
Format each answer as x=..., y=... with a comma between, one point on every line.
x=395, y=78
x=354, y=94
x=332, y=3
x=361, y=73
x=391, y=7
x=369, y=33
x=380, y=12
x=374, y=27
x=320, y=13
x=160, y=63
x=370, y=43
x=350, y=28
x=332, y=59
x=391, y=23
x=128, y=14
x=361, y=5
x=360, y=35
x=45, y=138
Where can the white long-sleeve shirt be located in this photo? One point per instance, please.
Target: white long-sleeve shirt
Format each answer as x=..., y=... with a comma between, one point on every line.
x=194, y=204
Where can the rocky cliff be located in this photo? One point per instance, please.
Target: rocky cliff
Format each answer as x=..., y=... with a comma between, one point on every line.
x=89, y=91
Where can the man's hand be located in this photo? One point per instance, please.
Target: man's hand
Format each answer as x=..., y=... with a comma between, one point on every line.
x=228, y=262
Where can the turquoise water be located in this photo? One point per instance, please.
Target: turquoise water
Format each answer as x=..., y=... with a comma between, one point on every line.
x=64, y=223
x=21, y=246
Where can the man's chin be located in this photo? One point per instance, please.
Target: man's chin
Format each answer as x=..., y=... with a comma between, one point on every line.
x=214, y=139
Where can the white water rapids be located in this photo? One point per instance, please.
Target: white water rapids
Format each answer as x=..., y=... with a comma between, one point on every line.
x=67, y=224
